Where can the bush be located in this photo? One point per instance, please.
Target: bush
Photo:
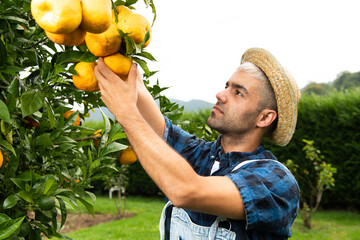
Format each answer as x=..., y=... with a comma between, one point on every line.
x=332, y=121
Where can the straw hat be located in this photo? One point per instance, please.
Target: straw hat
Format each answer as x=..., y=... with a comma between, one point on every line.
x=286, y=91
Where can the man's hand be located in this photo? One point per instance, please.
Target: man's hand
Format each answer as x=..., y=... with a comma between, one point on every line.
x=119, y=95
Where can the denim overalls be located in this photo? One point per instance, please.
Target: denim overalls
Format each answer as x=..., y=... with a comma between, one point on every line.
x=182, y=228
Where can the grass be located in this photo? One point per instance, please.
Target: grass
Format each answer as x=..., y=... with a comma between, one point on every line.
x=143, y=226
x=328, y=225
x=332, y=225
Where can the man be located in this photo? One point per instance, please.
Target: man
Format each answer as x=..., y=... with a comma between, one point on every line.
x=229, y=189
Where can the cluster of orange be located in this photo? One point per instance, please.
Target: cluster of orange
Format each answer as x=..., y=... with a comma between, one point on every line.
x=91, y=22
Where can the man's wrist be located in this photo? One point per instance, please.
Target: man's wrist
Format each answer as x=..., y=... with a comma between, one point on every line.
x=129, y=118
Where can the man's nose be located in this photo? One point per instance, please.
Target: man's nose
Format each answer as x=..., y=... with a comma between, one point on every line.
x=221, y=96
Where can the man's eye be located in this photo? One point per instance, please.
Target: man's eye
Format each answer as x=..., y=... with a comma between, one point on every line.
x=238, y=93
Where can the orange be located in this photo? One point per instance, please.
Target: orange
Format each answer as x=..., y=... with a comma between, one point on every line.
x=77, y=121
x=1, y=159
x=136, y=26
x=105, y=43
x=121, y=11
x=57, y=16
x=127, y=156
x=119, y=64
x=85, y=79
x=96, y=15
x=75, y=38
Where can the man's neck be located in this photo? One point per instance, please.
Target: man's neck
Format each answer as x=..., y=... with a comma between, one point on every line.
x=239, y=144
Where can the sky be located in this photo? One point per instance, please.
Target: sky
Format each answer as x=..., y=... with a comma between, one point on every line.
x=198, y=44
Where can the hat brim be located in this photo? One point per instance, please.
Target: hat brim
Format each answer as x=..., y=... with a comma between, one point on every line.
x=285, y=89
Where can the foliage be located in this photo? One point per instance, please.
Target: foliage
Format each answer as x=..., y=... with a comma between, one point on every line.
x=48, y=166
x=332, y=121
x=347, y=80
x=317, y=88
x=344, y=81
x=196, y=123
x=317, y=179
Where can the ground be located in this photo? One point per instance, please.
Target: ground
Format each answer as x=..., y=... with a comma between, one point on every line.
x=78, y=221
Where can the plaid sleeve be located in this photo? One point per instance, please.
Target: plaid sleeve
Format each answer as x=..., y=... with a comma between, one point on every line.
x=176, y=137
x=270, y=196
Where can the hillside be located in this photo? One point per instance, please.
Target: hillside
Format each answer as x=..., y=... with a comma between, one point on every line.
x=193, y=105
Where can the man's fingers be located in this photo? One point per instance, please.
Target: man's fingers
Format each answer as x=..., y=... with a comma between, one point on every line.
x=133, y=73
x=104, y=70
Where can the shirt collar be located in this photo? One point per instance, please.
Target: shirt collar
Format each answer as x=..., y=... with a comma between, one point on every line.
x=230, y=158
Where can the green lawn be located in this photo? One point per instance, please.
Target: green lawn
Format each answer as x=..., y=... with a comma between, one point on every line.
x=143, y=226
x=328, y=225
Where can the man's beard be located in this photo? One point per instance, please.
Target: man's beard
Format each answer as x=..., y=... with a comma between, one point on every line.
x=236, y=125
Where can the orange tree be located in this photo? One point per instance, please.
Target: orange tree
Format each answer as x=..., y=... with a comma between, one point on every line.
x=46, y=167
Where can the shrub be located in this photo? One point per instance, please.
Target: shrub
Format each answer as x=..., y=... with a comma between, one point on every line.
x=332, y=121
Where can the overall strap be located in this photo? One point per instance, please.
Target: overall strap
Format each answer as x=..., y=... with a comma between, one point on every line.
x=257, y=160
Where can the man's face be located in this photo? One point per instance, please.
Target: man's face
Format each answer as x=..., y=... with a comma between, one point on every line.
x=235, y=112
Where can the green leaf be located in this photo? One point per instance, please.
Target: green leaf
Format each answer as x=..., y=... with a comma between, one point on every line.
x=31, y=102
x=113, y=135
x=64, y=139
x=146, y=38
x=14, y=87
x=4, y=112
x=27, y=196
x=9, y=227
x=62, y=191
x=3, y=53
x=94, y=164
x=130, y=2
x=63, y=211
x=106, y=121
x=50, y=182
x=12, y=70
x=7, y=146
x=147, y=55
x=88, y=206
x=143, y=65
x=10, y=201
x=19, y=182
x=50, y=114
x=4, y=217
x=16, y=19
x=91, y=195
x=43, y=141
x=71, y=119
x=11, y=102
x=113, y=147
x=74, y=56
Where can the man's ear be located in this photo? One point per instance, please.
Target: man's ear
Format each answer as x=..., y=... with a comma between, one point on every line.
x=266, y=117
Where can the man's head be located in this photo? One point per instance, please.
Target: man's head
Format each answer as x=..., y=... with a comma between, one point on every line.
x=246, y=106
x=274, y=98
x=267, y=96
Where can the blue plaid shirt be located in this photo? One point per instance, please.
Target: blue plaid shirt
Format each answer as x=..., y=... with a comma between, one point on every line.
x=269, y=191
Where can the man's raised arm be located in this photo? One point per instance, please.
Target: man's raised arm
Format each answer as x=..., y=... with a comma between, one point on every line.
x=145, y=102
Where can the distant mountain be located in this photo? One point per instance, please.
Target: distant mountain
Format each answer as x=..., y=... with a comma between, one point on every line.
x=193, y=105
x=190, y=106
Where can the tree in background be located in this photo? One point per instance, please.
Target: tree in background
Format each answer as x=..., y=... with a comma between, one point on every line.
x=317, y=179
x=317, y=88
x=346, y=80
